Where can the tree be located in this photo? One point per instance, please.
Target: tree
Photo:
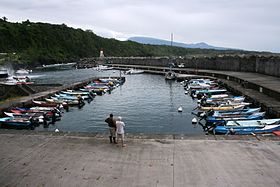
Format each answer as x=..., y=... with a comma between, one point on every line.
x=5, y=18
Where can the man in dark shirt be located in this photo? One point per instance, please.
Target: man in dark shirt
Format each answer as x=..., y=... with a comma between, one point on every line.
x=112, y=128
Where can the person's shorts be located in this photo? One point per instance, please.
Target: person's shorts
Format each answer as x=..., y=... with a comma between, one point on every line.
x=112, y=131
x=121, y=136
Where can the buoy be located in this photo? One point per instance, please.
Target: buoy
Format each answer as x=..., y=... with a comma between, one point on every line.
x=60, y=107
x=180, y=109
x=202, y=114
x=194, y=121
x=56, y=130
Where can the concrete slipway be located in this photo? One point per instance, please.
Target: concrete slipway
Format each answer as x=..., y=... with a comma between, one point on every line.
x=61, y=159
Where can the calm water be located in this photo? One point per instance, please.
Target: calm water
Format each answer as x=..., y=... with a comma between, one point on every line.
x=147, y=103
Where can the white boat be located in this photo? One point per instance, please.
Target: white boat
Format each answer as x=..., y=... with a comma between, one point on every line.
x=14, y=80
x=23, y=71
x=251, y=123
x=219, y=96
x=235, y=99
x=196, y=85
x=134, y=71
x=102, y=68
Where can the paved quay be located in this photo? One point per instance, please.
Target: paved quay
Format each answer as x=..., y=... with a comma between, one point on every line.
x=29, y=158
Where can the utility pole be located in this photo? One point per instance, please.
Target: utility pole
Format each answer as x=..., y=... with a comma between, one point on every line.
x=171, y=39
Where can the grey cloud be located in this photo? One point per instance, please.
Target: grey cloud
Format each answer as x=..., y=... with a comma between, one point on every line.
x=247, y=24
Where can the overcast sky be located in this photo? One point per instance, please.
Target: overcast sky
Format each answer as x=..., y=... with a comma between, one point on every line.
x=244, y=24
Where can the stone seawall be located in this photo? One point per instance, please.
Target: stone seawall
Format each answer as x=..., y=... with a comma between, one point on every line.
x=269, y=65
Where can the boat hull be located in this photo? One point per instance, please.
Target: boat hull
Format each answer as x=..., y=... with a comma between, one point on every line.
x=246, y=130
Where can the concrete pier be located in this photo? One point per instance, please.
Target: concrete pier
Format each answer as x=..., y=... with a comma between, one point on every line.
x=28, y=158
x=27, y=100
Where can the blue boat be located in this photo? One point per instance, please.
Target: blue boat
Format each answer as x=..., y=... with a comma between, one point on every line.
x=246, y=130
x=248, y=127
x=66, y=96
x=15, y=122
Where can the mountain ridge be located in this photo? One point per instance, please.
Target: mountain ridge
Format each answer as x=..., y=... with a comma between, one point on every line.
x=155, y=41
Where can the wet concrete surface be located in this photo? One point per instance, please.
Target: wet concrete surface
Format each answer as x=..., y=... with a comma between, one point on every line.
x=29, y=158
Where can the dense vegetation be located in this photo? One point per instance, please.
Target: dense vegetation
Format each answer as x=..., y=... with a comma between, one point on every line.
x=48, y=43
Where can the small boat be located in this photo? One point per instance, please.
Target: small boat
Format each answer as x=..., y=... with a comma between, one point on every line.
x=35, y=112
x=219, y=96
x=15, y=122
x=254, y=116
x=199, y=84
x=38, y=108
x=84, y=94
x=38, y=117
x=247, y=130
x=17, y=80
x=234, y=103
x=23, y=71
x=170, y=75
x=66, y=96
x=249, y=127
x=196, y=86
x=247, y=111
x=133, y=71
x=102, y=68
x=232, y=99
x=224, y=108
x=60, y=101
x=212, y=92
x=49, y=104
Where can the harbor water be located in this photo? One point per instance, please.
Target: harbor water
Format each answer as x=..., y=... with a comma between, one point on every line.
x=147, y=103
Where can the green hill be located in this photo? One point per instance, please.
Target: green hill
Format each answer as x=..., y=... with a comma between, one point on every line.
x=46, y=43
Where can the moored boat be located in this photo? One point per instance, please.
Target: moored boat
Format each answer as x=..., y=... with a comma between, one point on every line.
x=134, y=71
x=212, y=91
x=249, y=127
x=15, y=122
x=247, y=111
x=23, y=71
x=254, y=116
x=49, y=104
x=225, y=108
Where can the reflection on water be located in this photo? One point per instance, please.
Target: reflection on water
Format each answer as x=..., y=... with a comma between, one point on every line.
x=148, y=104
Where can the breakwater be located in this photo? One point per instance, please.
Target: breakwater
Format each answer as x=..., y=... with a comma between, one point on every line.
x=268, y=65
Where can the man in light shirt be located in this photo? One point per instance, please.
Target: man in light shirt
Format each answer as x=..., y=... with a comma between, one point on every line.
x=120, y=130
